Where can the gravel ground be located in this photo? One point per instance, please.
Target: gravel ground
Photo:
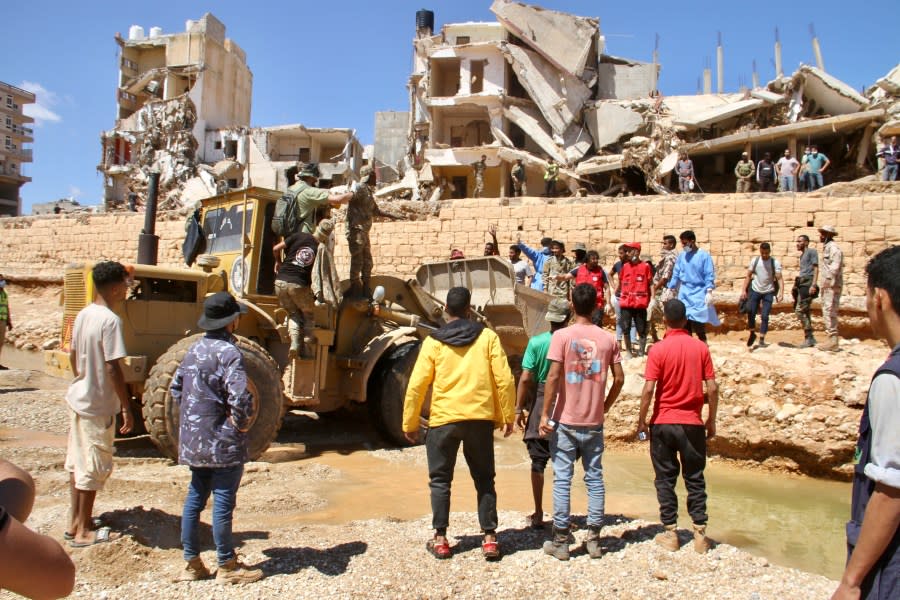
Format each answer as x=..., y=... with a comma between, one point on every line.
x=382, y=558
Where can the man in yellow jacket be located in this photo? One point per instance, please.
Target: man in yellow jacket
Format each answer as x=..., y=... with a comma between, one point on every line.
x=472, y=392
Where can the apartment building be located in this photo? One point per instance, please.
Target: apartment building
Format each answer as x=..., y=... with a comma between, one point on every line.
x=16, y=131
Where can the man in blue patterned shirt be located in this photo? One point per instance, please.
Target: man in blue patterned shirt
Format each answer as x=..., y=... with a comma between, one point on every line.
x=210, y=386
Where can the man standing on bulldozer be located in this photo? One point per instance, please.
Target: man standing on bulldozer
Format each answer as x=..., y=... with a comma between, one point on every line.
x=360, y=212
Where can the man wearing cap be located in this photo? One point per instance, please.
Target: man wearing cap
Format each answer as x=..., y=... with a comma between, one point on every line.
x=479, y=167
x=216, y=411
x=530, y=403
x=830, y=284
x=293, y=284
x=557, y=264
x=636, y=278
x=311, y=201
x=472, y=393
x=457, y=254
x=579, y=254
x=361, y=210
x=744, y=172
x=694, y=277
x=677, y=369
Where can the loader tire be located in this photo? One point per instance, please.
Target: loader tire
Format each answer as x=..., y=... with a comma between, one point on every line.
x=386, y=390
x=161, y=413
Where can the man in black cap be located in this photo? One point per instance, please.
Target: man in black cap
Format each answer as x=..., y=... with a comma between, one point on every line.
x=210, y=386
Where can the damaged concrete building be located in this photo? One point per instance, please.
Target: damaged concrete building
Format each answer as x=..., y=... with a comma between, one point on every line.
x=537, y=84
x=183, y=106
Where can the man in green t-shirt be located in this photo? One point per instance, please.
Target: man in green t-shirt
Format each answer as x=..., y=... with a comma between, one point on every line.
x=530, y=400
x=312, y=202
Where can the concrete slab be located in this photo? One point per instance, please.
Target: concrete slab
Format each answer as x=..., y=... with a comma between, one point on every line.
x=608, y=122
x=600, y=164
x=719, y=113
x=620, y=79
x=891, y=82
x=829, y=93
x=563, y=39
x=558, y=95
x=530, y=122
x=576, y=142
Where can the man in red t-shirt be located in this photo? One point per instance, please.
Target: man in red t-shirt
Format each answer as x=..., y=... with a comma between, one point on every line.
x=580, y=355
x=636, y=278
x=677, y=367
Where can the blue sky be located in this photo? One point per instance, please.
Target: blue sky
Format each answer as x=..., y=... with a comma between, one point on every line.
x=334, y=64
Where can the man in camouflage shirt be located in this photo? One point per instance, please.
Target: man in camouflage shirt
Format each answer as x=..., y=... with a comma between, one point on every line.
x=360, y=212
x=312, y=202
x=479, y=168
x=556, y=269
x=216, y=407
x=661, y=276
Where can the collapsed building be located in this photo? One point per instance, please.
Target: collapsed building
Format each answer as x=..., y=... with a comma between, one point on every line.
x=538, y=85
x=183, y=110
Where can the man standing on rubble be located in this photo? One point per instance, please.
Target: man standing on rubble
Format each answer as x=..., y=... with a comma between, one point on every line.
x=831, y=282
x=815, y=166
x=744, y=173
x=661, y=276
x=360, y=212
x=551, y=174
x=765, y=174
x=537, y=258
x=890, y=154
x=787, y=167
x=635, y=296
x=694, y=276
x=685, y=169
x=479, y=168
x=518, y=179
x=558, y=264
x=763, y=285
x=806, y=280
x=312, y=202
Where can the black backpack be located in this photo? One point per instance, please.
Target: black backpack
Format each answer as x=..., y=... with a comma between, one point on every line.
x=286, y=219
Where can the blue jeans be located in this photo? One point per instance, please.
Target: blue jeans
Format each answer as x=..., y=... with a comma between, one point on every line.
x=815, y=181
x=565, y=443
x=788, y=184
x=890, y=173
x=223, y=484
x=757, y=300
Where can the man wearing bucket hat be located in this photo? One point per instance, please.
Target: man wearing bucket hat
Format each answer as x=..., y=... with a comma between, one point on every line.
x=216, y=410
x=530, y=403
x=312, y=201
x=831, y=282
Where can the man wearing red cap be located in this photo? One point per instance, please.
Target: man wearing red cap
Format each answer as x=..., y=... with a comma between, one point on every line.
x=636, y=278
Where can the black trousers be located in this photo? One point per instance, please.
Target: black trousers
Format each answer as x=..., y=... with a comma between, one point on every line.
x=639, y=315
x=441, y=447
x=675, y=448
x=698, y=328
x=597, y=317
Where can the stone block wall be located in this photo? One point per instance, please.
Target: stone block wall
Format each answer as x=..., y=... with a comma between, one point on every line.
x=729, y=226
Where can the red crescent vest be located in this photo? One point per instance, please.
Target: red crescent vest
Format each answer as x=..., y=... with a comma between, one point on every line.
x=636, y=280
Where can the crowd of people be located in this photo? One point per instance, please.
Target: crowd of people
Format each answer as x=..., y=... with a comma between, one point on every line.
x=572, y=376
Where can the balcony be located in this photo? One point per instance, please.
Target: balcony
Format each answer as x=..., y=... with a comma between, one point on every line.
x=22, y=154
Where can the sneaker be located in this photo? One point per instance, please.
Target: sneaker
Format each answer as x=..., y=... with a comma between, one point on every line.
x=194, y=570
x=751, y=339
x=558, y=547
x=701, y=542
x=234, y=571
x=592, y=543
x=668, y=539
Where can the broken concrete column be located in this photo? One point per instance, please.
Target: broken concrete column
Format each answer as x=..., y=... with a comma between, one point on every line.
x=609, y=122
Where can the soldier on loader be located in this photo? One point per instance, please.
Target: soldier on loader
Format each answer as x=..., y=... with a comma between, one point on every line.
x=360, y=212
x=312, y=202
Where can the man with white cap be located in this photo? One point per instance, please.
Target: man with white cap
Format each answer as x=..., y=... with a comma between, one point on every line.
x=744, y=172
x=830, y=284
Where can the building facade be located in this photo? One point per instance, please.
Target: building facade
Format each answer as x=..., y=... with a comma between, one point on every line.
x=17, y=133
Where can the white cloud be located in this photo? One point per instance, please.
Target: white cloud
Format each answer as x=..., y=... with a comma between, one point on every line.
x=40, y=111
x=74, y=192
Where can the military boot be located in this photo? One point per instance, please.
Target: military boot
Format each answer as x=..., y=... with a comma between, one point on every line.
x=832, y=345
x=592, y=542
x=701, y=542
x=558, y=547
x=194, y=570
x=668, y=539
x=234, y=571
x=809, y=341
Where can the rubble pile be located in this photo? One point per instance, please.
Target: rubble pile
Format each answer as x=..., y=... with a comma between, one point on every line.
x=560, y=96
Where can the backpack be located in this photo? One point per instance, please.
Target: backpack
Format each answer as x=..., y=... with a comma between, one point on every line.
x=772, y=271
x=286, y=220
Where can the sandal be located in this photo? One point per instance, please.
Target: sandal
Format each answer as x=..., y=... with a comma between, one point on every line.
x=439, y=549
x=490, y=550
x=102, y=535
x=96, y=524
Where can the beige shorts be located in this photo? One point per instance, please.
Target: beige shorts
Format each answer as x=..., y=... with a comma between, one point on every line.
x=89, y=455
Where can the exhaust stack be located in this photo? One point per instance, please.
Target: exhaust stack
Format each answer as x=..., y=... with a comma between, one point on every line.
x=148, y=241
